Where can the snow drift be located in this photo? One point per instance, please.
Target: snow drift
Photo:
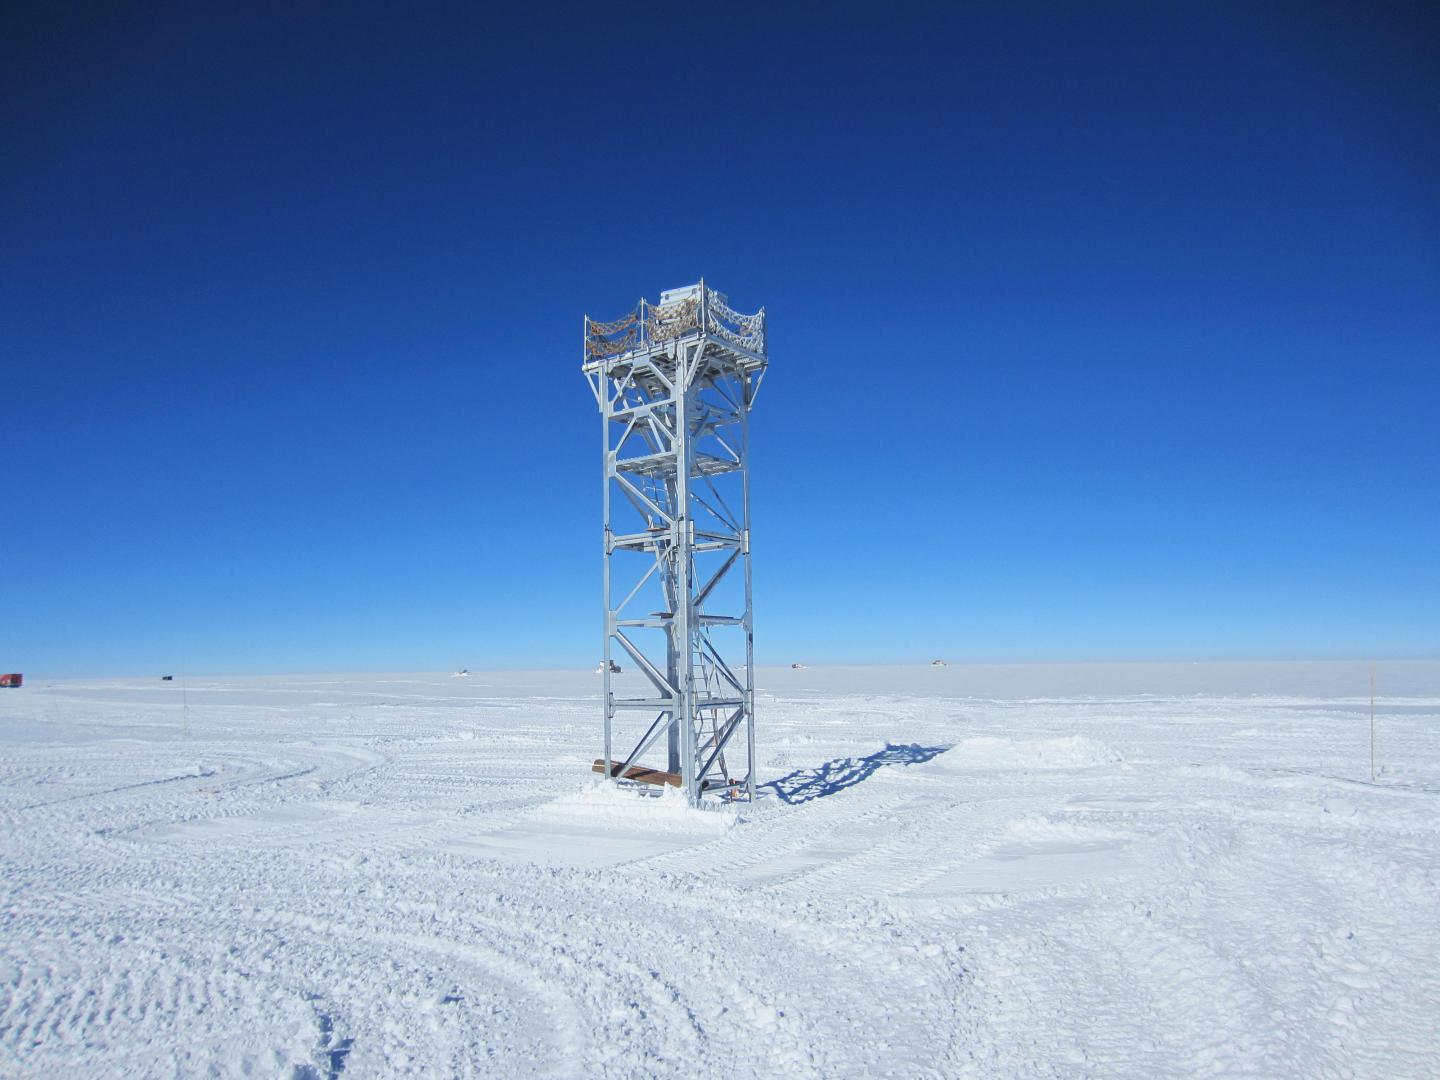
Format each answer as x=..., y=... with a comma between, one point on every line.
x=985, y=752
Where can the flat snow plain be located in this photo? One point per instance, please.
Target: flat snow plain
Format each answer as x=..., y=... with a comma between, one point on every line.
x=1109, y=871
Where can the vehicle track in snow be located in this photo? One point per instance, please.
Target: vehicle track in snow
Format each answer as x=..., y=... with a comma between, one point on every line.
x=302, y=879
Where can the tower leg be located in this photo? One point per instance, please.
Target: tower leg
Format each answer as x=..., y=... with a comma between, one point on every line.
x=673, y=743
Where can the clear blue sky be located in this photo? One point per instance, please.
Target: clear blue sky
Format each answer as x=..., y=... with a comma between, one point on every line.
x=1097, y=332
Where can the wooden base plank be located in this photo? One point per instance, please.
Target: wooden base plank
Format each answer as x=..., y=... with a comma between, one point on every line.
x=637, y=772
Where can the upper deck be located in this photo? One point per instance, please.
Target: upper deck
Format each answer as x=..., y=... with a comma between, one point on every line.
x=652, y=331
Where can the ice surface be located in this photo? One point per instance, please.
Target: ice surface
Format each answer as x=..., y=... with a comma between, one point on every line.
x=1115, y=870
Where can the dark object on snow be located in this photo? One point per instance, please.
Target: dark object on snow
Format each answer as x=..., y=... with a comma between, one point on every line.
x=11, y=680
x=167, y=678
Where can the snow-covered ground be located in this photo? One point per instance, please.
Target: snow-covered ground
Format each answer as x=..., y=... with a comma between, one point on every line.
x=1145, y=871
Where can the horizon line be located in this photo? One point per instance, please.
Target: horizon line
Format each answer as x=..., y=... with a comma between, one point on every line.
x=551, y=668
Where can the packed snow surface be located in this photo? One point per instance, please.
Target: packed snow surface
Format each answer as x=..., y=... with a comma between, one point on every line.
x=1144, y=871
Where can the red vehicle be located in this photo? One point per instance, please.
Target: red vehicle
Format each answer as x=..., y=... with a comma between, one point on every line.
x=11, y=680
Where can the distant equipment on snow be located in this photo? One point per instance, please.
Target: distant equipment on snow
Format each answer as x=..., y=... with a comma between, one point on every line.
x=798, y=667
x=462, y=673
x=938, y=663
x=167, y=678
x=615, y=668
x=675, y=382
x=12, y=680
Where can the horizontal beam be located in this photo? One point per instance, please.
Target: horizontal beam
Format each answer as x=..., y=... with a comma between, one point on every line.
x=647, y=540
x=661, y=357
x=666, y=463
x=697, y=701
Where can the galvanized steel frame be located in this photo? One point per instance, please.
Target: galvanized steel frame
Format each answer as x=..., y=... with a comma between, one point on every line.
x=693, y=358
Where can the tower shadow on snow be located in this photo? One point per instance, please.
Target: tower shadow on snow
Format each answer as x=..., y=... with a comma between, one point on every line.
x=803, y=785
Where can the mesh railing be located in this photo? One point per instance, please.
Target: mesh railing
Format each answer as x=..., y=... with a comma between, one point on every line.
x=747, y=331
x=611, y=338
x=651, y=324
x=666, y=322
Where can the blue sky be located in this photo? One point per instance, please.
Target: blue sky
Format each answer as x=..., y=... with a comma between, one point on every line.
x=1101, y=334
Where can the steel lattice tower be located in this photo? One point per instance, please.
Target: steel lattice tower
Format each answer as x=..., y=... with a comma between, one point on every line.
x=675, y=382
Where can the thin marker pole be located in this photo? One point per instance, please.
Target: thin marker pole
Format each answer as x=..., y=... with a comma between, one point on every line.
x=184, y=696
x=1372, y=723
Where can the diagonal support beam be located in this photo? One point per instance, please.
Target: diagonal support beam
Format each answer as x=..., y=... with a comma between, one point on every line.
x=715, y=578
x=661, y=682
x=731, y=726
